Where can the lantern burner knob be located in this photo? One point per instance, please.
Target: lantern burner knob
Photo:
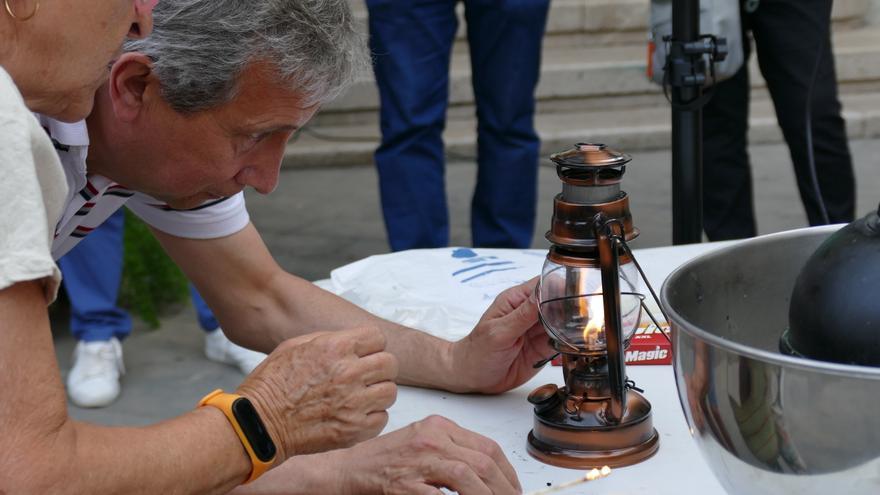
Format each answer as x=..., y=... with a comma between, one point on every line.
x=545, y=398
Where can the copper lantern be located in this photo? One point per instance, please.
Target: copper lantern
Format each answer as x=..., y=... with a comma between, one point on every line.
x=591, y=302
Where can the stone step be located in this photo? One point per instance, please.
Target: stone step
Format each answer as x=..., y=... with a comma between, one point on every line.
x=626, y=129
x=604, y=77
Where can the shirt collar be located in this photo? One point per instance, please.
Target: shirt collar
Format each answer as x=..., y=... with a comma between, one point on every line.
x=69, y=134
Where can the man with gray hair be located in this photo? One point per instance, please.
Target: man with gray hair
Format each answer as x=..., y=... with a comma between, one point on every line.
x=189, y=118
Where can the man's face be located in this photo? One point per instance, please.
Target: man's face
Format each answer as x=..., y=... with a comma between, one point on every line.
x=186, y=160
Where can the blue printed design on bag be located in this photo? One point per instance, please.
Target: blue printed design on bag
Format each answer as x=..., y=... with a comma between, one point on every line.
x=463, y=253
x=469, y=257
x=481, y=265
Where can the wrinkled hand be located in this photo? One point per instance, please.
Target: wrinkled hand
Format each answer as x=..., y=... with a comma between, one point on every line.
x=501, y=351
x=324, y=391
x=422, y=457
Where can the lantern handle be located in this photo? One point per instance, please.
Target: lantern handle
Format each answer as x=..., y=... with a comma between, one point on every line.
x=607, y=238
x=620, y=240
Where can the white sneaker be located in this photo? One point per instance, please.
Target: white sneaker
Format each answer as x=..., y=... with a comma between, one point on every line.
x=94, y=379
x=220, y=349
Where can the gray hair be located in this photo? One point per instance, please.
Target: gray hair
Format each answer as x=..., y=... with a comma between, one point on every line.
x=199, y=48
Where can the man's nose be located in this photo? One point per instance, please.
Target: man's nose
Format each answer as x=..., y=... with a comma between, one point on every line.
x=264, y=164
x=263, y=177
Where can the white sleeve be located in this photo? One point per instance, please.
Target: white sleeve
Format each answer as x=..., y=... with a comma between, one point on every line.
x=33, y=189
x=211, y=220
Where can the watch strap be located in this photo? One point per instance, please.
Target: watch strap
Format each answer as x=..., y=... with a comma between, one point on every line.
x=224, y=401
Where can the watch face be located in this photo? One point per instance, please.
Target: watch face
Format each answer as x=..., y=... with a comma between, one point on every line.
x=253, y=429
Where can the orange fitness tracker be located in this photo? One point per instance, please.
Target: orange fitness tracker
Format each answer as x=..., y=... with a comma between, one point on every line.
x=248, y=426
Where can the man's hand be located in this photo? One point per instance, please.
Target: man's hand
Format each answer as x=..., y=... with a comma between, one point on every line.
x=324, y=391
x=423, y=456
x=501, y=351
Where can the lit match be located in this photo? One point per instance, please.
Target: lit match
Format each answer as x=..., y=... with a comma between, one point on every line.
x=591, y=475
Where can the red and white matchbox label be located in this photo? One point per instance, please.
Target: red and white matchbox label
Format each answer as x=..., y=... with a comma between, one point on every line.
x=648, y=346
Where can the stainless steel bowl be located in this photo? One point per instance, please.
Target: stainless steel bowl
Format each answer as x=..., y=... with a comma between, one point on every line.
x=767, y=423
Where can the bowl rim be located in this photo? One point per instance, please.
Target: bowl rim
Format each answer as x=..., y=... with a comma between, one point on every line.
x=848, y=370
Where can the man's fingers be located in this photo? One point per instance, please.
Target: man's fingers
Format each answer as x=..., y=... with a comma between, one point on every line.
x=366, y=340
x=511, y=297
x=377, y=397
x=526, y=314
x=487, y=447
x=375, y=368
x=530, y=286
x=513, y=325
x=537, y=336
x=456, y=476
x=487, y=469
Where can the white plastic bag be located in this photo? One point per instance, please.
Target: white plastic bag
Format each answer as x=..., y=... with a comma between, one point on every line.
x=442, y=291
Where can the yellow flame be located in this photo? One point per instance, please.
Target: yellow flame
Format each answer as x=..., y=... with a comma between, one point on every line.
x=595, y=474
x=595, y=329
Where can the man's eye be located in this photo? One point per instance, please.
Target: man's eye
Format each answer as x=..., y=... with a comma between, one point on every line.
x=252, y=140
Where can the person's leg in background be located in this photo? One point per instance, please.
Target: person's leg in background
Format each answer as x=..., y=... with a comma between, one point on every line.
x=789, y=36
x=505, y=39
x=728, y=204
x=92, y=274
x=217, y=347
x=411, y=44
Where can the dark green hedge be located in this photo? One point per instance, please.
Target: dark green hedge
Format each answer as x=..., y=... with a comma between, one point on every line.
x=151, y=282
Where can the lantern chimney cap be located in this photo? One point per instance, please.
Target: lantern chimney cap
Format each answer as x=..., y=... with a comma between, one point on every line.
x=590, y=155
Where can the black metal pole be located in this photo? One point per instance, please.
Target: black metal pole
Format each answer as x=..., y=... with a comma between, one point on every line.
x=687, y=138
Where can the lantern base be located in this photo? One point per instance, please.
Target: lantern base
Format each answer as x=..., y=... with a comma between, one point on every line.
x=584, y=441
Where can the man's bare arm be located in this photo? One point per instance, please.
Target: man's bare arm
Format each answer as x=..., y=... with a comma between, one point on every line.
x=259, y=304
x=43, y=451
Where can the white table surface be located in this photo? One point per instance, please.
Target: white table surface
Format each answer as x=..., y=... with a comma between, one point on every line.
x=677, y=468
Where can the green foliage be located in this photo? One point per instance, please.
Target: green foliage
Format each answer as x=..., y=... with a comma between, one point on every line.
x=151, y=283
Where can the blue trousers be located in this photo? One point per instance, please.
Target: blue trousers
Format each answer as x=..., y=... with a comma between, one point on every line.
x=411, y=42
x=92, y=273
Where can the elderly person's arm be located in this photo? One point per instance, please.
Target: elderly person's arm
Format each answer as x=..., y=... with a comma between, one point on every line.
x=258, y=305
x=42, y=450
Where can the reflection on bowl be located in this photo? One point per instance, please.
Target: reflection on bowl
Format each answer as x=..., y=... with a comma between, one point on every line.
x=767, y=423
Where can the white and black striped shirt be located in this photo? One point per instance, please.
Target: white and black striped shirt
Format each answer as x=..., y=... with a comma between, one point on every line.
x=93, y=198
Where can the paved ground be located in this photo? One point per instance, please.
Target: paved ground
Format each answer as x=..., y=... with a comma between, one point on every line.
x=319, y=219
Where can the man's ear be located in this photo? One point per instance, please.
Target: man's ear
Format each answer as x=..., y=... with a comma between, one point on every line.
x=130, y=76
